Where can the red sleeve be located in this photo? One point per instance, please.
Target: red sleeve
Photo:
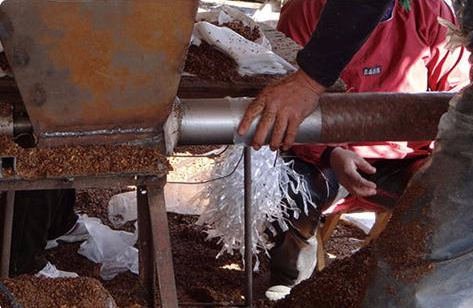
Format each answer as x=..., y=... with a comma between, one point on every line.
x=448, y=70
x=299, y=18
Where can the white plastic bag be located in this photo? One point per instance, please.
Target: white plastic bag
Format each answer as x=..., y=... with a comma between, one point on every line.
x=122, y=208
x=113, y=249
x=252, y=58
x=225, y=14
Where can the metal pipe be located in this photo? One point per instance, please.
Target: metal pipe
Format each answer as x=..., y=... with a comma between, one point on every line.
x=248, y=228
x=339, y=117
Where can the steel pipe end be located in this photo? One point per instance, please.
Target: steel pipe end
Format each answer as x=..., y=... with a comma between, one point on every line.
x=171, y=127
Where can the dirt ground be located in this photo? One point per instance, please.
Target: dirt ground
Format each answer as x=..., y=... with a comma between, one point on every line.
x=200, y=277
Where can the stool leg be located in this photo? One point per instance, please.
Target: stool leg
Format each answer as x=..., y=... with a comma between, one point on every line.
x=7, y=223
x=380, y=223
x=146, y=249
x=162, y=247
x=329, y=226
x=320, y=250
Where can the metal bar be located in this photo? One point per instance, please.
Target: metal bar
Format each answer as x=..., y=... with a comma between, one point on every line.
x=7, y=233
x=339, y=117
x=248, y=228
x=146, y=249
x=162, y=246
x=78, y=182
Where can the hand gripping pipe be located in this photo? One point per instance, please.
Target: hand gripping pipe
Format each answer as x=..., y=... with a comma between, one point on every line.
x=338, y=118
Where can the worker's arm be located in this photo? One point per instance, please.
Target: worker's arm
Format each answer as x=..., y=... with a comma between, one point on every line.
x=342, y=29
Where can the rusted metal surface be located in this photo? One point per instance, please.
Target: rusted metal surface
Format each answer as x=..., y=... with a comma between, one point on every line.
x=94, y=66
x=366, y=117
x=146, y=249
x=7, y=226
x=162, y=246
x=79, y=182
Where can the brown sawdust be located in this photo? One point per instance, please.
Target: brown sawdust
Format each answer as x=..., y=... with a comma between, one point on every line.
x=342, y=284
x=82, y=292
x=83, y=160
x=199, y=275
x=403, y=244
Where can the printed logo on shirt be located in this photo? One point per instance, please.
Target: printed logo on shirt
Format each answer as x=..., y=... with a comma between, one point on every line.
x=370, y=71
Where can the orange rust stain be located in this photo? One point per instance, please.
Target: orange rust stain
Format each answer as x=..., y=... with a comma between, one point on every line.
x=175, y=20
x=87, y=53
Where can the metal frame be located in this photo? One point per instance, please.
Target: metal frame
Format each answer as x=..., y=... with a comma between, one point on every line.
x=154, y=239
x=156, y=256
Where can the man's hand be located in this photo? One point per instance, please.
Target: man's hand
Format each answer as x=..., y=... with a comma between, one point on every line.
x=284, y=105
x=346, y=164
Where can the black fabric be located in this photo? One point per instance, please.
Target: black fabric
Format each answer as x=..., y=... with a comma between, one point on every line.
x=342, y=29
x=39, y=216
x=391, y=178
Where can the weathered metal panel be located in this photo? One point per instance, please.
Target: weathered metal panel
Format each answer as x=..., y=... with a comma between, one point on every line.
x=97, y=68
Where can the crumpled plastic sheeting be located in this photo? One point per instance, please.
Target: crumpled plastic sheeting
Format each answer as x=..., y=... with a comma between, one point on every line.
x=272, y=180
x=113, y=249
x=122, y=208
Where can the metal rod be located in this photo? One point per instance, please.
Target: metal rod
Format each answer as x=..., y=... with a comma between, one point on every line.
x=339, y=117
x=7, y=233
x=162, y=246
x=248, y=228
x=147, y=263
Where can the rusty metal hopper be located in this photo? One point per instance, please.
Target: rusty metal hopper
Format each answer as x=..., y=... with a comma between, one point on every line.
x=96, y=71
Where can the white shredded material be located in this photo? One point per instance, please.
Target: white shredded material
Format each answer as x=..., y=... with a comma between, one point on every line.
x=272, y=180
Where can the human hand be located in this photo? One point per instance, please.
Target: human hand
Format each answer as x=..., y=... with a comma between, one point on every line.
x=346, y=164
x=283, y=106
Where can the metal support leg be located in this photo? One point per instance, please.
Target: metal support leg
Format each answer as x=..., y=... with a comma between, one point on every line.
x=146, y=249
x=8, y=208
x=248, y=229
x=162, y=246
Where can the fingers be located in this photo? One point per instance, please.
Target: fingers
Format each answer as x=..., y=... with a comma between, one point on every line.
x=279, y=131
x=264, y=126
x=291, y=133
x=358, y=185
x=252, y=111
x=365, y=166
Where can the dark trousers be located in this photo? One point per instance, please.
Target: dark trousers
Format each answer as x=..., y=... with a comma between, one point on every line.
x=39, y=216
x=293, y=257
